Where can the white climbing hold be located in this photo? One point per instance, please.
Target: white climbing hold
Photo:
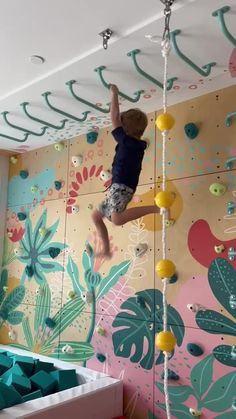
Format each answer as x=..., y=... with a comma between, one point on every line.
x=39, y=291
x=141, y=249
x=233, y=353
x=195, y=412
x=5, y=289
x=75, y=209
x=90, y=206
x=13, y=159
x=10, y=234
x=105, y=175
x=77, y=160
x=18, y=251
x=12, y=335
x=195, y=308
x=87, y=297
x=67, y=349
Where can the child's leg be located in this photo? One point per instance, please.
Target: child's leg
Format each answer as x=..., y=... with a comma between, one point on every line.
x=102, y=231
x=120, y=218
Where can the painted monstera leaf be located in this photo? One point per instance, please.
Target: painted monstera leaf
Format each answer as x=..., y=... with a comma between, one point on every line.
x=112, y=278
x=139, y=323
x=201, y=376
x=223, y=354
x=228, y=415
x=10, y=302
x=219, y=397
x=81, y=351
x=215, y=323
x=178, y=394
x=3, y=284
x=179, y=411
x=222, y=280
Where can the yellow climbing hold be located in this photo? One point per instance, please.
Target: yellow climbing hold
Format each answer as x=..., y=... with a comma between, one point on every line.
x=165, y=268
x=165, y=122
x=164, y=199
x=165, y=341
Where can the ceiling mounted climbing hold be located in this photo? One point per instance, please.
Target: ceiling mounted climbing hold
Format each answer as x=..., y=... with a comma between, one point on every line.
x=59, y=146
x=50, y=323
x=34, y=188
x=13, y=159
x=220, y=13
x=21, y=216
x=171, y=375
x=24, y=174
x=62, y=112
x=106, y=35
x=194, y=349
x=87, y=297
x=217, y=189
x=164, y=199
x=195, y=308
x=54, y=252
x=191, y=130
x=194, y=412
x=141, y=249
x=165, y=268
x=165, y=341
x=75, y=209
x=165, y=122
x=58, y=185
x=220, y=248
x=92, y=137
x=77, y=160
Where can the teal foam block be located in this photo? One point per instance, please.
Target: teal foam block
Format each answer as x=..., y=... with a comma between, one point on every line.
x=65, y=379
x=43, y=366
x=44, y=382
x=2, y=352
x=10, y=395
x=5, y=363
x=16, y=369
x=32, y=396
x=20, y=383
x=2, y=403
x=26, y=363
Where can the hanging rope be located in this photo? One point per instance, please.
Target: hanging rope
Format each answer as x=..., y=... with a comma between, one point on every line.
x=165, y=340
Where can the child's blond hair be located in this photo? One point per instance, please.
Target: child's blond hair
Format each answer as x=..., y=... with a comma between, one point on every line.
x=134, y=122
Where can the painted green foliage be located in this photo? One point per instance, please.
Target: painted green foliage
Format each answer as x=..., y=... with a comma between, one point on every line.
x=36, y=250
x=222, y=280
x=139, y=323
x=9, y=303
x=214, y=396
x=45, y=341
x=93, y=281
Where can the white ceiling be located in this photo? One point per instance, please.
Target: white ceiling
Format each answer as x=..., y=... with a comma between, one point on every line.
x=65, y=33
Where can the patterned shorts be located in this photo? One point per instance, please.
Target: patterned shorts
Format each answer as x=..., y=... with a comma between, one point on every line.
x=117, y=200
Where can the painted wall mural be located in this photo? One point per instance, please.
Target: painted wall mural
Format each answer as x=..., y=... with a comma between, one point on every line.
x=58, y=299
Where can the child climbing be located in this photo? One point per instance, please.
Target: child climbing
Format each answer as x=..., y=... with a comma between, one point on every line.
x=128, y=128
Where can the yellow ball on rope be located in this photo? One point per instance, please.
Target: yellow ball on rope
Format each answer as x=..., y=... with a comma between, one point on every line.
x=165, y=341
x=165, y=268
x=165, y=121
x=164, y=199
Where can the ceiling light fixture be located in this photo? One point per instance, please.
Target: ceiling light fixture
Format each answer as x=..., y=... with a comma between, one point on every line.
x=36, y=59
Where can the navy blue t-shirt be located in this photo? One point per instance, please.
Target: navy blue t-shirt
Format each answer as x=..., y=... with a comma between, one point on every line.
x=127, y=163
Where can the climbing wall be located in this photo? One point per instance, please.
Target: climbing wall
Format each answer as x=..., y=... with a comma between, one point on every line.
x=59, y=301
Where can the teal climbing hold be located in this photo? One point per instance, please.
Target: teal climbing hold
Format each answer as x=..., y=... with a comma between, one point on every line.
x=24, y=174
x=92, y=137
x=50, y=323
x=141, y=301
x=194, y=349
x=21, y=216
x=173, y=279
x=58, y=185
x=29, y=270
x=54, y=252
x=100, y=357
x=171, y=375
x=3, y=315
x=191, y=130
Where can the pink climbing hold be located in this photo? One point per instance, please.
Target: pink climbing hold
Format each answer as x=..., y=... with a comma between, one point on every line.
x=232, y=63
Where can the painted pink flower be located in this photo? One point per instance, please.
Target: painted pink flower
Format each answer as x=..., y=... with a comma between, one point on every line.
x=15, y=235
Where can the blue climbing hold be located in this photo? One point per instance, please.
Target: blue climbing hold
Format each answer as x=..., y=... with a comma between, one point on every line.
x=24, y=174
x=21, y=216
x=29, y=270
x=58, y=185
x=54, y=252
x=92, y=137
x=50, y=323
x=194, y=349
x=173, y=279
x=100, y=357
x=171, y=375
x=191, y=130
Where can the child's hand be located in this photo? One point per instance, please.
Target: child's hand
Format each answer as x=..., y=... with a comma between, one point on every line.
x=114, y=89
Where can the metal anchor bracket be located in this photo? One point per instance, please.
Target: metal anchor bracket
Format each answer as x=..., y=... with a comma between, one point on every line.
x=106, y=35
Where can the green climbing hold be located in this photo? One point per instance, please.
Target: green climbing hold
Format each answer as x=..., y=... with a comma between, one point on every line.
x=217, y=189
x=54, y=252
x=24, y=174
x=21, y=216
x=191, y=130
x=50, y=323
x=58, y=185
x=92, y=137
x=100, y=357
x=43, y=231
x=194, y=349
x=171, y=375
x=29, y=270
x=34, y=188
